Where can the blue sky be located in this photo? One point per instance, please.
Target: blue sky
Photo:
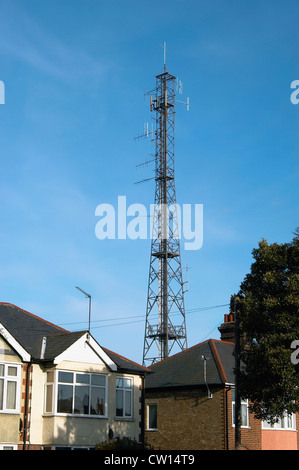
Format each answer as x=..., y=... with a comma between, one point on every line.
x=75, y=73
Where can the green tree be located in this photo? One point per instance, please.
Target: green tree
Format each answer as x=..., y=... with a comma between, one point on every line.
x=269, y=323
x=122, y=443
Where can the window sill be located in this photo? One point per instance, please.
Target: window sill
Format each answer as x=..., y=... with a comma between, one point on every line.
x=279, y=429
x=120, y=418
x=67, y=415
x=242, y=427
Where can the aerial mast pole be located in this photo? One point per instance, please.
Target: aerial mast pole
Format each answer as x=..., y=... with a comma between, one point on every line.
x=165, y=284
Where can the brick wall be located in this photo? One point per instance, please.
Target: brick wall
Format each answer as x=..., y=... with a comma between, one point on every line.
x=187, y=420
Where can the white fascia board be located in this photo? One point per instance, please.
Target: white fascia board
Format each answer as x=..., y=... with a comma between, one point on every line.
x=74, y=352
x=26, y=357
x=97, y=348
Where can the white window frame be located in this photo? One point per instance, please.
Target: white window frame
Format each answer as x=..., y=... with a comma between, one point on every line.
x=49, y=384
x=68, y=448
x=148, y=405
x=8, y=446
x=5, y=378
x=244, y=403
x=282, y=424
x=124, y=391
x=54, y=398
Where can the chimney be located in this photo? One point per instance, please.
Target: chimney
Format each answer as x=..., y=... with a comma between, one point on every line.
x=227, y=329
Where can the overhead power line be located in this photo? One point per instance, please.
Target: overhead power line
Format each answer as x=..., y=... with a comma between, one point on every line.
x=132, y=318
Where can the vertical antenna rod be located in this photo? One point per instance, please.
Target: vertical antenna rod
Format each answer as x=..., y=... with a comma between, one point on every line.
x=89, y=308
x=164, y=47
x=165, y=284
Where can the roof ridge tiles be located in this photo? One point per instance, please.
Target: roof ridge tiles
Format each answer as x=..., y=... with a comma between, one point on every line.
x=65, y=333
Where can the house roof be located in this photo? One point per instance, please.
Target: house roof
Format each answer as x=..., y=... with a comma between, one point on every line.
x=123, y=363
x=187, y=367
x=57, y=344
x=27, y=332
x=27, y=329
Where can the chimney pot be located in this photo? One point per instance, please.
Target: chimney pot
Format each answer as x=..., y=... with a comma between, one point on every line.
x=227, y=329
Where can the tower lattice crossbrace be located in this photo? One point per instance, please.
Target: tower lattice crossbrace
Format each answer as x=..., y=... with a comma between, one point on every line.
x=165, y=325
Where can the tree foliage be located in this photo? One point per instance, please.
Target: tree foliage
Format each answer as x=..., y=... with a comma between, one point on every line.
x=269, y=321
x=121, y=443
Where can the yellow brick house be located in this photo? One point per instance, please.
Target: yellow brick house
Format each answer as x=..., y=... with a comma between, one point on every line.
x=189, y=403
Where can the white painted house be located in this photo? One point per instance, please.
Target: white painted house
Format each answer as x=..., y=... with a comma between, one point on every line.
x=62, y=390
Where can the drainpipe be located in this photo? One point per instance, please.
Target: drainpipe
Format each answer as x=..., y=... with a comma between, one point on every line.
x=26, y=412
x=142, y=418
x=226, y=419
x=204, y=358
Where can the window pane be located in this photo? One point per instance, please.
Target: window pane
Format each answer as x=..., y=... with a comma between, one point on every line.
x=152, y=416
x=66, y=377
x=244, y=415
x=99, y=380
x=266, y=425
x=119, y=403
x=11, y=395
x=97, y=401
x=128, y=403
x=127, y=383
x=81, y=400
x=290, y=421
x=2, y=370
x=49, y=398
x=12, y=371
x=65, y=399
x=277, y=424
x=119, y=382
x=82, y=378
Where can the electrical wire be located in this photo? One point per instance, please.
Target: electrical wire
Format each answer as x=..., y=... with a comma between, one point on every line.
x=192, y=310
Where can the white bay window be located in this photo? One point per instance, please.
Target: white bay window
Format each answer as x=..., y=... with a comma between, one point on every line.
x=76, y=393
x=287, y=421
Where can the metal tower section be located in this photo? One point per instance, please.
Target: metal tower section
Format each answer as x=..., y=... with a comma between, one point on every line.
x=165, y=312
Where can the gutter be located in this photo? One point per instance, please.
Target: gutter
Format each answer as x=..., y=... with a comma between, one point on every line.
x=228, y=387
x=142, y=417
x=204, y=358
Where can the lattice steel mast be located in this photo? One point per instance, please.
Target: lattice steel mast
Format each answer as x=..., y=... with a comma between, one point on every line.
x=165, y=312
